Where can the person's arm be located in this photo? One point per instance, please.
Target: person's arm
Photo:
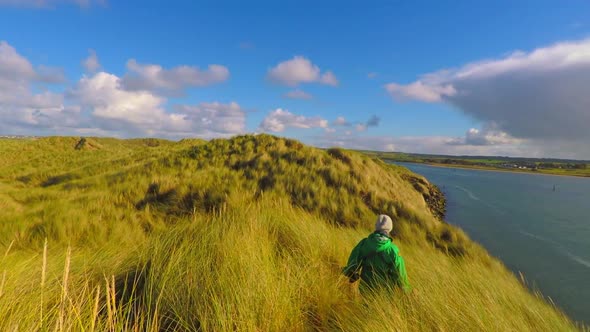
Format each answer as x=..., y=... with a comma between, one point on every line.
x=354, y=261
x=400, y=267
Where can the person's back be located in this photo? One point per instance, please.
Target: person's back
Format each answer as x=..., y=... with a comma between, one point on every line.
x=378, y=260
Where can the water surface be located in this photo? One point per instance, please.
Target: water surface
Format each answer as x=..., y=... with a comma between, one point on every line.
x=536, y=224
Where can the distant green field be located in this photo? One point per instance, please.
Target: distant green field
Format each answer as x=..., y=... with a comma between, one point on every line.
x=545, y=166
x=246, y=234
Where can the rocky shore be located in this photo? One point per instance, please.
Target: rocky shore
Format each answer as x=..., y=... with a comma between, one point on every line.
x=433, y=196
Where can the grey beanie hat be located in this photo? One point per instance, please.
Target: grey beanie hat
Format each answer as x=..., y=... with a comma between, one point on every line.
x=383, y=224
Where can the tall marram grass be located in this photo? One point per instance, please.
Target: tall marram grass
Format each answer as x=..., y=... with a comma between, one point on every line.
x=246, y=234
x=263, y=267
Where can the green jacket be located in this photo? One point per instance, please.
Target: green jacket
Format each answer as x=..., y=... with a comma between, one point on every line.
x=379, y=262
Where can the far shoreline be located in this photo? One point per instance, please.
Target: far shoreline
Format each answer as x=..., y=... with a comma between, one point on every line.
x=487, y=169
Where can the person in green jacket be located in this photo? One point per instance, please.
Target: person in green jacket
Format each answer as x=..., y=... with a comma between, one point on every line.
x=377, y=261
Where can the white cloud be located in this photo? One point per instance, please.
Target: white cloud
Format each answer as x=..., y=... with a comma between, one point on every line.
x=47, y=74
x=22, y=107
x=279, y=120
x=541, y=95
x=119, y=112
x=98, y=104
x=330, y=130
x=488, y=137
x=115, y=109
x=91, y=63
x=359, y=126
x=41, y=111
x=215, y=119
x=420, y=91
x=372, y=75
x=152, y=77
x=329, y=78
x=57, y=118
x=298, y=94
x=300, y=70
x=14, y=66
x=341, y=121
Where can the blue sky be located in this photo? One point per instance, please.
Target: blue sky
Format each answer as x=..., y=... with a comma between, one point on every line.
x=452, y=77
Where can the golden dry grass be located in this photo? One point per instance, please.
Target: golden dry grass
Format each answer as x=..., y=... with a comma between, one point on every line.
x=243, y=234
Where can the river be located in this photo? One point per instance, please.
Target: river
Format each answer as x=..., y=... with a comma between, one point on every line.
x=536, y=224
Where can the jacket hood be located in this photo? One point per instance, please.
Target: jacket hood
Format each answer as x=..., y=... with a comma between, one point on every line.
x=378, y=242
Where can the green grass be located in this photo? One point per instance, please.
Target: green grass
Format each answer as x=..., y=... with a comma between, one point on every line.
x=248, y=234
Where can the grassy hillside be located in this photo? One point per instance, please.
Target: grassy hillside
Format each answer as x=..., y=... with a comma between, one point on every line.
x=242, y=234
